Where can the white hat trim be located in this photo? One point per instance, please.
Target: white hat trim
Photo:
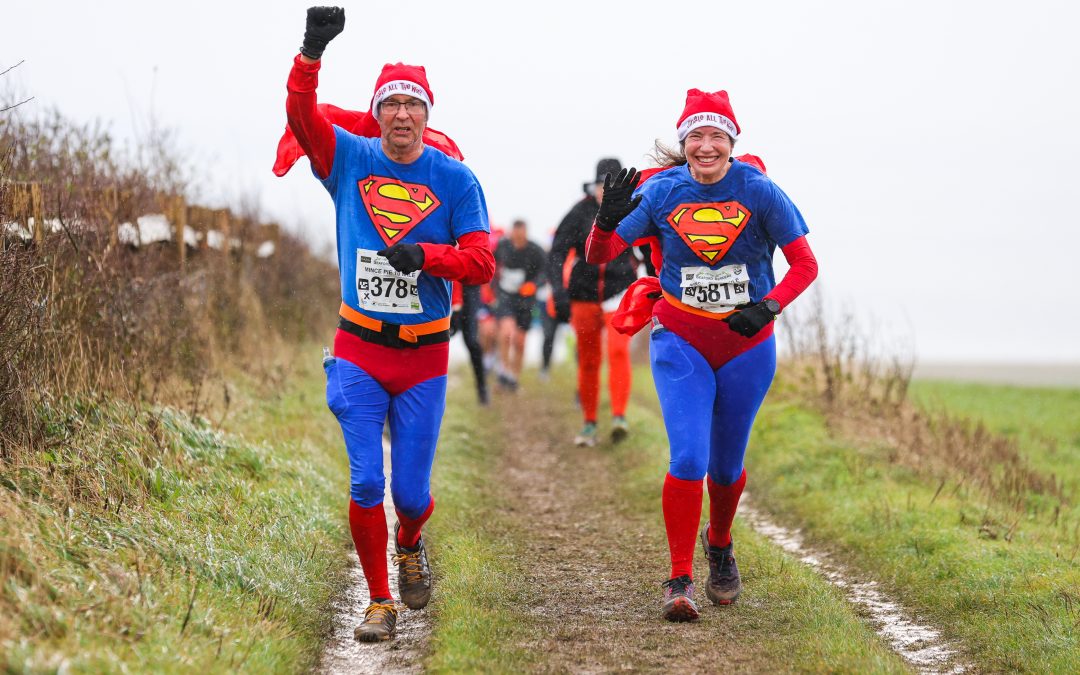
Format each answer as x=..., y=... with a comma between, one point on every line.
x=707, y=119
x=400, y=87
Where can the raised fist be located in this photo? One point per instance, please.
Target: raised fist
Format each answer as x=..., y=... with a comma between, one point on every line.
x=323, y=25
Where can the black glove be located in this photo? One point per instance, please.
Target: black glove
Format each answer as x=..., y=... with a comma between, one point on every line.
x=456, y=322
x=562, y=305
x=748, y=322
x=323, y=25
x=616, y=203
x=405, y=258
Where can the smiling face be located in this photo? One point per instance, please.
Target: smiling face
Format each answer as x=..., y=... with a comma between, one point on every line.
x=707, y=152
x=402, y=125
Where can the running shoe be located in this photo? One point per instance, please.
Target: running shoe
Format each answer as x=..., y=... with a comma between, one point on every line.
x=724, y=585
x=587, y=437
x=380, y=619
x=679, y=600
x=414, y=573
x=620, y=429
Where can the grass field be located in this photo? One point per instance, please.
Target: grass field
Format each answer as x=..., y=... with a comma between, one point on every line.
x=1045, y=421
x=1002, y=578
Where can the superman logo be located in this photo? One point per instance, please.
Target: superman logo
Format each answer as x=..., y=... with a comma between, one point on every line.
x=709, y=229
x=394, y=207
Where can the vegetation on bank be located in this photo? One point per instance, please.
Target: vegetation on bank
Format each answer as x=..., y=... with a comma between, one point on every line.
x=146, y=540
x=133, y=534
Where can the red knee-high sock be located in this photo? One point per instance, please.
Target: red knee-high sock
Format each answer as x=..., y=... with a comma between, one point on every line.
x=409, y=533
x=723, y=501
x=368, y=527
x=682, y=513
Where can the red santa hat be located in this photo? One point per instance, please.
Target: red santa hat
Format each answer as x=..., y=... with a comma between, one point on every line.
x=707, y=110
x=399, y=78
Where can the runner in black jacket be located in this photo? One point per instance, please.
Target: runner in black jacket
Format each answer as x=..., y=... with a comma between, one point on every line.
x=593, y=292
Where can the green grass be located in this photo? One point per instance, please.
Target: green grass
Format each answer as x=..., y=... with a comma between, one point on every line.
x=1045, y=421
x=475, y=626
x=1001, y=579
x=143, y=540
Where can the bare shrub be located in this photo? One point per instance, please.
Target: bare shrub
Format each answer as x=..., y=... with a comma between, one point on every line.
x=840, y=366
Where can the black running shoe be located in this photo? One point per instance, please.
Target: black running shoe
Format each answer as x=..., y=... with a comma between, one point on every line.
x=724, y=584
x=679, y=600
x=414, y=573
x=380, y=619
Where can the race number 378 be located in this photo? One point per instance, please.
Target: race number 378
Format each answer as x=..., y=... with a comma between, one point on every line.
x=381, y=288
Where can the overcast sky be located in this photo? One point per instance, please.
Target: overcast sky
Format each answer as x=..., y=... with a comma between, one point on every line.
x=931, y=146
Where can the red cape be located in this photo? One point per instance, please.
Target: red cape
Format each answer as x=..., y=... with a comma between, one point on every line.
x=359, y=123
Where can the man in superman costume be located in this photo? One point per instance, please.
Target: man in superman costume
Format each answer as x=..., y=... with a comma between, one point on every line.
x=411, y=218
x=717, y=222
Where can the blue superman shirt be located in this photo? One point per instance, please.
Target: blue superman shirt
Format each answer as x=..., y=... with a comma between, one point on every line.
x=739, y=220
x=379, y=202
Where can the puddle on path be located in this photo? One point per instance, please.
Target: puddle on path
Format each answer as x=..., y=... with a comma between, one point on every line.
x=919, y=644
x=342, y=654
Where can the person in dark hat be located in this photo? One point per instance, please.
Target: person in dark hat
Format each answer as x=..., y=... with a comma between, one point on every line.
x=587, y=296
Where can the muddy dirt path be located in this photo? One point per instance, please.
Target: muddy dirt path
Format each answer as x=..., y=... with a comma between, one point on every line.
x=404, y=654
x=595, y=571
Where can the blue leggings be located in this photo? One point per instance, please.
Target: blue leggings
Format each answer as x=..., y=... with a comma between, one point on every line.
x=708, y=413
x=362, y=407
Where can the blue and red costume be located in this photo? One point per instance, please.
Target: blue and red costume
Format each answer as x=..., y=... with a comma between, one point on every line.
x=390, y=366
x=710, y=380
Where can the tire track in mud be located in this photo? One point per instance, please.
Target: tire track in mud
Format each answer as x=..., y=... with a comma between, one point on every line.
x=342, y=654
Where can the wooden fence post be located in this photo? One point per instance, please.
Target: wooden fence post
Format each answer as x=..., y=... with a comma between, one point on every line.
x=223, y=222
x=27, y=203
x=176, y=213
x=37, y=207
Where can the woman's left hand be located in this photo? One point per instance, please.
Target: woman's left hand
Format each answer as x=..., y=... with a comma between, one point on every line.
x=749, y=322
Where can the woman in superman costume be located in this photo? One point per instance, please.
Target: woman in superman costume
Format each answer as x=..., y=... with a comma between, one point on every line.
x=717, y=223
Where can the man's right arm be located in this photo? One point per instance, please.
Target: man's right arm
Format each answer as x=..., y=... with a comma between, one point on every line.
x=313, y=131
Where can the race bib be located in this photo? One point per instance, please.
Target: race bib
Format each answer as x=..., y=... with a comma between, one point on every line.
x=717, y=291
x=381, y=288
x=511, y=280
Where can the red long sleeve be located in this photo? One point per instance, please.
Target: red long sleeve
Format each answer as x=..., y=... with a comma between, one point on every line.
x=803, y=271
x=313, y=131
x=470, y=262
x=602, y=246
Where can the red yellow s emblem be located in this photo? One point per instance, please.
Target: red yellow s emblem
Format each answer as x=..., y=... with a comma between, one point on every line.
x=709, y=229
x=396, y=207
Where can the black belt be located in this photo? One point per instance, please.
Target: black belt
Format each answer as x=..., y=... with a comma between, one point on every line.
x=388, y=336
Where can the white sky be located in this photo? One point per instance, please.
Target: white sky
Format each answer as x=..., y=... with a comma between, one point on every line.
x=931, y=146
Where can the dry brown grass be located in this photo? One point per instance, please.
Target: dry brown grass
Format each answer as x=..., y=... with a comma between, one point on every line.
x=862, y=390
x=83, y=315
